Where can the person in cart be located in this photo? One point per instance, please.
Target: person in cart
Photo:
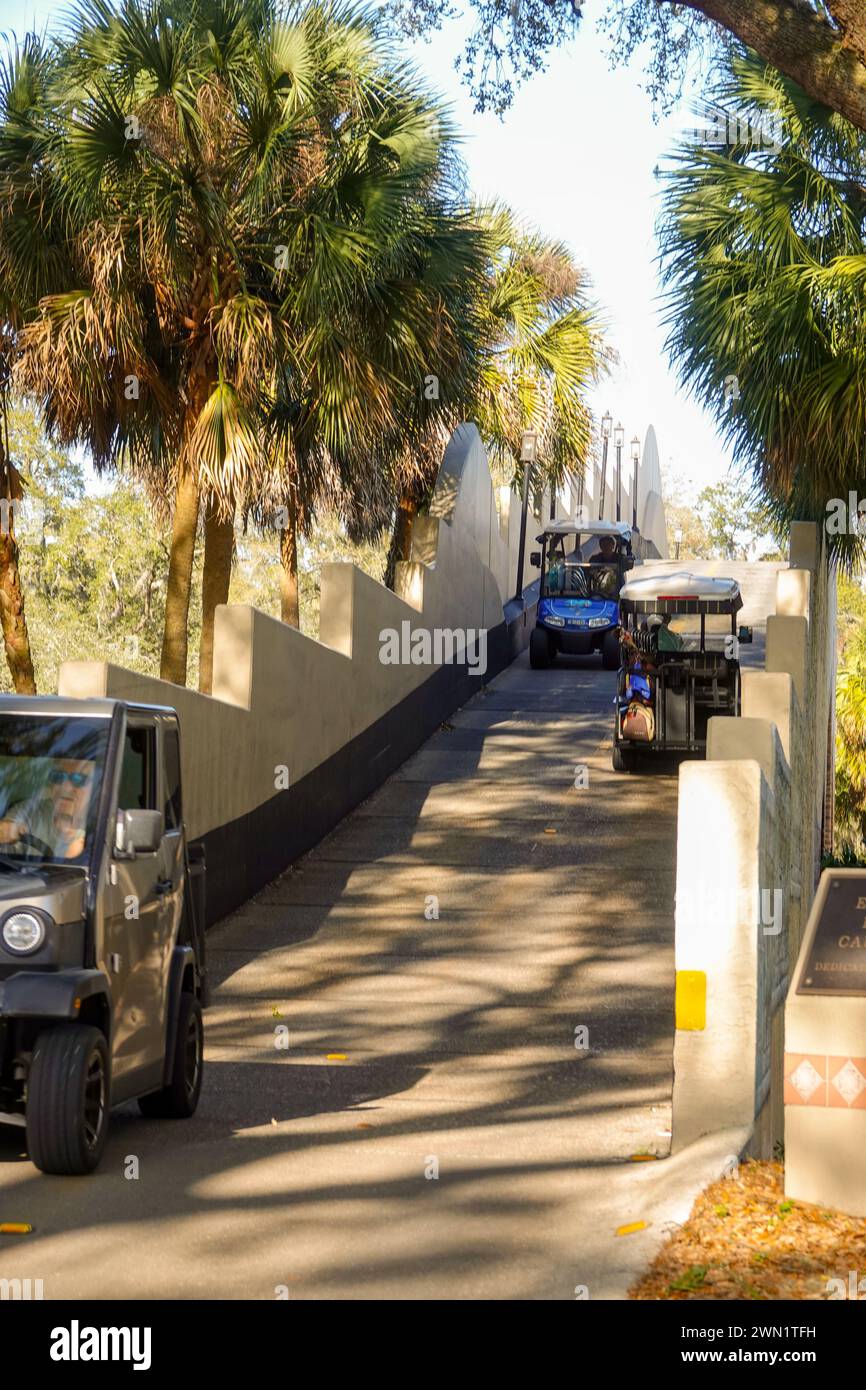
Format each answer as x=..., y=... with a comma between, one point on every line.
x=606, y=553
x=666, y=639
x=54, y=816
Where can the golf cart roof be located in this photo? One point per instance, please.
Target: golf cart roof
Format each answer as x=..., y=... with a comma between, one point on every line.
x=620, y=530
x=681, y=593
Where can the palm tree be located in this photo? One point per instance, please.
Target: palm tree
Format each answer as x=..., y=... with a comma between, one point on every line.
x=245, y=193
x=23, y=71
x=764, y=268
x=532, y=347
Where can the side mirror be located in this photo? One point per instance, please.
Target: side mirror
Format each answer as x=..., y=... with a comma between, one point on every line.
x=138, y=832
x=745, y=635
x=535, y=559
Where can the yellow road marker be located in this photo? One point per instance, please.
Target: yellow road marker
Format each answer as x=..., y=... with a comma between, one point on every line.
x=630, y=1230
x=691, y=1000
x=15, y=1228
x=337, y=1057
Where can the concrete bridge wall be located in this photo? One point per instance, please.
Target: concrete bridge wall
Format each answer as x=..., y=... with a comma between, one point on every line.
x=328, y=715
x=748, y=858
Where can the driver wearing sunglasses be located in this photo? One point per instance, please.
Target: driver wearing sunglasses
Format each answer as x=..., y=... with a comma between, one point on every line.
x=55, y=816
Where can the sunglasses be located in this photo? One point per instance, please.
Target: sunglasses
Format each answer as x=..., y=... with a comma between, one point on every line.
x=78, y=779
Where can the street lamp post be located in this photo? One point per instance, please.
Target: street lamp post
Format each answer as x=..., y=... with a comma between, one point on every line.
x=635, y=454
x=606, y=423
x=619, y=439
x=528, y=444
x=678, y=540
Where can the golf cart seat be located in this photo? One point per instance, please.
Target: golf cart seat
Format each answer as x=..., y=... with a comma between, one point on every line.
x=646, y=640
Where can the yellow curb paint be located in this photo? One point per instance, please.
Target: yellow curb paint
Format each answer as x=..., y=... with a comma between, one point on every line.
x=691, y=1000
x=15, y=1228
x=549, y=830
x=337, y=1057
x=634, y=1227
x=643, y=1158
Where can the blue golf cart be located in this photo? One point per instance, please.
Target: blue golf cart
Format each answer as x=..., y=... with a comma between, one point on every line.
x=583, y=568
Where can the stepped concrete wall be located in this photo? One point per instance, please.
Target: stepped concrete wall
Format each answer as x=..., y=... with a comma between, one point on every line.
x=748, y=859
x=328, y=715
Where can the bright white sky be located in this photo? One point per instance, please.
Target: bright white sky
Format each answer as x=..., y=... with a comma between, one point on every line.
x=575, y=155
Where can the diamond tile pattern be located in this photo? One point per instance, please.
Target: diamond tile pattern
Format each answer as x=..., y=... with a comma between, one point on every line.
x=812, y=1079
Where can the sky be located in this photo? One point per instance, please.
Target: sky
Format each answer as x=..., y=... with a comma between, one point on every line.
x=575, y=156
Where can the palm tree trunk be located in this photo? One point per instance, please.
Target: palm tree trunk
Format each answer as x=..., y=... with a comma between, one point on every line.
x=172, y=666
x=401, y=537
x=219, y=538
x=290, y=608
x=16, y=638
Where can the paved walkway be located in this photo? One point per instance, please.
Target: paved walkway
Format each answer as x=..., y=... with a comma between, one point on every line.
x=455, y=1042
x=420, y=1043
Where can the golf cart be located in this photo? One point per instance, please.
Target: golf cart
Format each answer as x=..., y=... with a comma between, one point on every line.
x=680, y=663
x=102, y=975
x=582, y=572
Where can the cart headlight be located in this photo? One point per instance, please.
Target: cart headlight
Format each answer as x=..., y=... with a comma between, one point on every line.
x=23, y=932
x=554, y=620
x=599, y=622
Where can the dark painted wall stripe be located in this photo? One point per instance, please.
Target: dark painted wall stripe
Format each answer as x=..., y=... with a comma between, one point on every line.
x=247, y=853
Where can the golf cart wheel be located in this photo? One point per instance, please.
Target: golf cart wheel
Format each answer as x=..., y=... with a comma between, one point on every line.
x=178, y=1100
x=67, y=1099
x=624, y=759
x=540, y=649
x=610, y=651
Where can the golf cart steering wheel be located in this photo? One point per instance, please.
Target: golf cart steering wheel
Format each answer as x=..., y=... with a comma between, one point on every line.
x=34, y=842
x=605, y=583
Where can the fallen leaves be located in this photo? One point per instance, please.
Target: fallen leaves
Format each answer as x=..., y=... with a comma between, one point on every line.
x=745, y=1239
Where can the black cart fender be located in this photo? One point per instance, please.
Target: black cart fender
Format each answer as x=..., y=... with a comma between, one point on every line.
x=51, y=994
x=182, y=961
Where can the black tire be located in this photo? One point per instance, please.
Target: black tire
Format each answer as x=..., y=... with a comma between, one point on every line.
x=68, y=1099
x=179, y=1099
x=610, y=651
x=624, y=759
x=540, y=649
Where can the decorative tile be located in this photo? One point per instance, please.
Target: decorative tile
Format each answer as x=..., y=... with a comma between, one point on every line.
x=811, y=1079
x=805, y=1080
x=847, y=1082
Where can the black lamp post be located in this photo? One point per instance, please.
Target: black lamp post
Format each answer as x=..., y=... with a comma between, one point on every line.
x=619, y=439
x=606, y=423
x=528, y=444
x=635, y=454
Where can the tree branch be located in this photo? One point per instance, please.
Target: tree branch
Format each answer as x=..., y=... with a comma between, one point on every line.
x=829, y=64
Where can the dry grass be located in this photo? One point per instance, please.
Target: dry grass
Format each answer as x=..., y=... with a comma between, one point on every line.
x=745, y=1240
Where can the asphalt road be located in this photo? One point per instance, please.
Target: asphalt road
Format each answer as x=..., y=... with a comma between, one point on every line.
x=435, y=1047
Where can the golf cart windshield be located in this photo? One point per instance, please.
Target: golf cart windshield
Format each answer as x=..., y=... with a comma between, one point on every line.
x=50, y=777
x=683, y=631
x=584, y=571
